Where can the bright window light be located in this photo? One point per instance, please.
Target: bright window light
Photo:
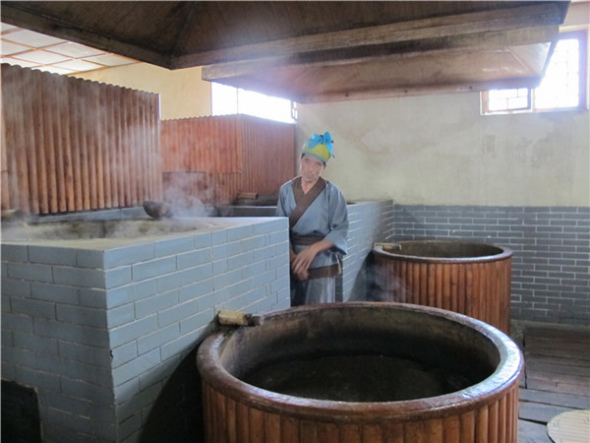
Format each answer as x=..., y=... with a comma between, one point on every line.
x=224, y=99
x=501, y=99
x=230, y=100
x=560, y=86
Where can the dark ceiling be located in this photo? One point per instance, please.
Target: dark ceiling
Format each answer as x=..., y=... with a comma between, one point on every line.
x=317, y=51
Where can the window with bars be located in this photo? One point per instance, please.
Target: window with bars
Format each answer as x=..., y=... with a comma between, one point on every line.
x=563, y=86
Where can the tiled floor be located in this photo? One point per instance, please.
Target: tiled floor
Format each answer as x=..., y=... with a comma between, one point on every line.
x=557, y=375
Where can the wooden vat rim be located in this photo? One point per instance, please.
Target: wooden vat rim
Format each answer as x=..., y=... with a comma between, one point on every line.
x=503, y=379
x=506, y=253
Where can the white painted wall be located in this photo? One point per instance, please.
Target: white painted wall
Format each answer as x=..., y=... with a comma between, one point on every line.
x=438, y=149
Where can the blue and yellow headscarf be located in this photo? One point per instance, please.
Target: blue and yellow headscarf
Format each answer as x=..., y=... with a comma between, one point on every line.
x=320, y=147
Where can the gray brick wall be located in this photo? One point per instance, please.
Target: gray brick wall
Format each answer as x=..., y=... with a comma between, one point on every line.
x=106, y=330
x=551, y=245
x=369, y=222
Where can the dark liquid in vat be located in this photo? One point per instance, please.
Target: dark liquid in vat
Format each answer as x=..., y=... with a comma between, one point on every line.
x=362, y=378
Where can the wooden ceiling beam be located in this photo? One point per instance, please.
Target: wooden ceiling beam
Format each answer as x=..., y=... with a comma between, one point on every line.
x=412, y=31
x=407, y=91
x=484, y=40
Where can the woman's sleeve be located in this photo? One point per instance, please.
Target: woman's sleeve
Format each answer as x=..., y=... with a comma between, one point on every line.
x=338, y=221
x=280, y=211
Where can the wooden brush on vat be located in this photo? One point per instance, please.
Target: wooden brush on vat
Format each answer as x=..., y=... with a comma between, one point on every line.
x=237, y=318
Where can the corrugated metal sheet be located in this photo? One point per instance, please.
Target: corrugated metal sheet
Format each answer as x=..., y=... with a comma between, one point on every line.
x=269, y=158
x=234, y=153
x=206, y=144
x=73, y=145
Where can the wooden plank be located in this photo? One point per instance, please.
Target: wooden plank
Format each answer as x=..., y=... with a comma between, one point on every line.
x=289, y=429
x=468, y=425
x=560, y=332
x=556, y=399
x=572, y=343
x=561, y=378
x=40, y=123
x=327, y=433
x=105, y=140
x=562, y=366
x=9, y=137
x=568, y=353
x=113, y=145
x=230, y=408
x=137, y=130
x=434, y=431
x=272, y=427
x=75, y=136
x=58, y=143
x=481, y=430
x=92, y=139
x=493, y=422
x=98, y=146
x=256, y=424
x=120, y=167
x=539, y=413
x=4, y=184
x=66, y=108
x=81, y=120
x=242, y=422
x=555, y=386
x=529, y=432
x=29, y=104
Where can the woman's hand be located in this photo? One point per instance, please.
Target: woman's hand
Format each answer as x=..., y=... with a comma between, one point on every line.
x=301, y=262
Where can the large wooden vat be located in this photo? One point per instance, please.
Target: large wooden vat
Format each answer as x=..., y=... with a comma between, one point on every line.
x=485, y=410
x=464, y=277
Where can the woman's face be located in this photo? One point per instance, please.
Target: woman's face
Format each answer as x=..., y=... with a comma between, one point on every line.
x=311, y=168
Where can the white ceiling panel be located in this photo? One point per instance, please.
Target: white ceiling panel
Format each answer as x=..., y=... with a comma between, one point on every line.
x=54, y=70
x=41, y=57
x=21, y=63
x=74, y=50
x=9, y=48
x=110, y=60
x=21, y=47
x=31, y=38
x=6, y=27
x=78, y=65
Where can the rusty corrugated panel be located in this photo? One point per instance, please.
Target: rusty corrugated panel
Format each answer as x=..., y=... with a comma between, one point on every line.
x=239, y=152
x=268, y=154
x=74, y=145
x=205, y=144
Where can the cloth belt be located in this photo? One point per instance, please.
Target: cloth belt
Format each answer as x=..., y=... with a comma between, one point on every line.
x=324, y=271
x=305, y=240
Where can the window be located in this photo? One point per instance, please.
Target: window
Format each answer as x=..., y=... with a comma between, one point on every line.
x=563, y=86
x=230, y=100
